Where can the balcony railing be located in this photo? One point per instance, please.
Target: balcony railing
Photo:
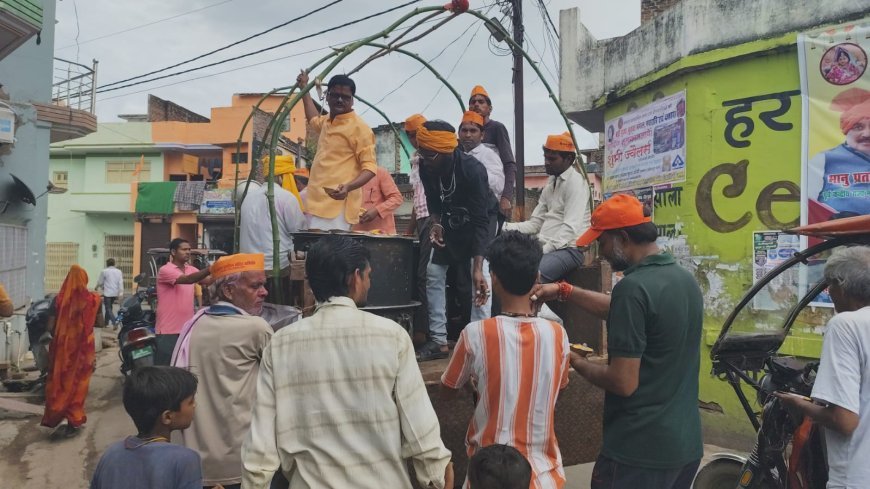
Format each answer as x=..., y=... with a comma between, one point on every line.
x=75, y=85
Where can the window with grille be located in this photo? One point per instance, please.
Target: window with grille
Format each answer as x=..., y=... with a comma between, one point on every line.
x=120, y=247
x=59, y=179
x=58, y=258
x=13, y=262
x=124, y=171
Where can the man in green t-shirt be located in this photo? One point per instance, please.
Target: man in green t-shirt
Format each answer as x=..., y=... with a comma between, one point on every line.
x=652, y=427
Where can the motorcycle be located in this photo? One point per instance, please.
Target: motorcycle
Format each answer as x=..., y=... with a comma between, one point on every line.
x=136, y=337
x=36, y=320
x=789, y=448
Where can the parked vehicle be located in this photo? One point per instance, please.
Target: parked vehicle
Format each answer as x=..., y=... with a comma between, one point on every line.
x=136, y=336
x=37, y=320
x=788, y=451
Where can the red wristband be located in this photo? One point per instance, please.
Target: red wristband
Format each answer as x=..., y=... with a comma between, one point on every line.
x=564, y=291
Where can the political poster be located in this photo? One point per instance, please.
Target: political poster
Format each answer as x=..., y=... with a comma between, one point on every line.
x=647, y=146
x=836, y=125
x=835, y=89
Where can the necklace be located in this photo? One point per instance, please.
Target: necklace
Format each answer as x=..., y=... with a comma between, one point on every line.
x=447, y=192
x=518, y=314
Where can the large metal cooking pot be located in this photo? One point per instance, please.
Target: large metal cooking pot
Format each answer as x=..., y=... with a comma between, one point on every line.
x=392, y=261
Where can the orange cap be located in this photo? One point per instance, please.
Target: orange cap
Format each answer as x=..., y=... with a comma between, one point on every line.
x=619, y=211
x=240, y=262
x=301, y=172
x=472, y=116
x=414, y=122
x=560, y=142
x=479, y=90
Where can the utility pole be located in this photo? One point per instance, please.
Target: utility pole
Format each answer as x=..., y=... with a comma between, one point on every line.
x=519, y=132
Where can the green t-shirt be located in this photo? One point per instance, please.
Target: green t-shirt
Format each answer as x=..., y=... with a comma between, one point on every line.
x=656, y=314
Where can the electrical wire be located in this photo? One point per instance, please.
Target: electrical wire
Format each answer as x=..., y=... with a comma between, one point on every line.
x=295, y=19
x=281, y=58
x=460, y=36
x=464, y=51
x=145, y=25
x=546, y=13
x=292, y=41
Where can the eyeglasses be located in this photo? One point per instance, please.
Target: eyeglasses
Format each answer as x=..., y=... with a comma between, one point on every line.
x=339, y=96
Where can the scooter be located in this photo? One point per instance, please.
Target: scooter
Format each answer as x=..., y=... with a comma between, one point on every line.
x=136, y=338
x=789, y=447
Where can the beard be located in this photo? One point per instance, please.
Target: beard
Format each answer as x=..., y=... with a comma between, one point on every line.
x=618, y=261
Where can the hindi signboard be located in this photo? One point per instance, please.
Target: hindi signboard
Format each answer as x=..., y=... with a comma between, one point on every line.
x=646, y=146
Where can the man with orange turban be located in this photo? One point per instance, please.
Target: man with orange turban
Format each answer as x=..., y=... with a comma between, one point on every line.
x=496, y=136
x=562, y=212
x=223, y=346
x=255, y=222
x=461, y=206
x=838, y=183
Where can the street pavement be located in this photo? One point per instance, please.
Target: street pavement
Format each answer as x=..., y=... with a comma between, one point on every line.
x=30, y=459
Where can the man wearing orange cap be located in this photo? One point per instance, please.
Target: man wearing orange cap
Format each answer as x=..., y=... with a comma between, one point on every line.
x=838, y=183
x=496, y=136
x=462, y=208
x=562, y=212
x=654, y=320
x=223, y=345
x=471, y=139
x=421, y=225
x=345, y=158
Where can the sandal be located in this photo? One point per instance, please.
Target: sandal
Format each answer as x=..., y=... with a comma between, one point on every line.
x=431, y=351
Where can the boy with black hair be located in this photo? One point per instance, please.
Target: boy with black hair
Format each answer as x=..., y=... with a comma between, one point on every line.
x=160, y=400
x=519, y=364
x=499, y=467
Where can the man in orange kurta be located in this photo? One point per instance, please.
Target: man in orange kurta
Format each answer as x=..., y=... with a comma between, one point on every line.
x=345, y=158
x=71, y=353
x=380, y=199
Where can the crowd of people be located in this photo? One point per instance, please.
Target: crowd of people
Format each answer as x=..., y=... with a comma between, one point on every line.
x=337, y=399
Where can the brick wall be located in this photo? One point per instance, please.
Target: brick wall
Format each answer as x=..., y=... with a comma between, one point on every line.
x=160, y=110
x=649, y=9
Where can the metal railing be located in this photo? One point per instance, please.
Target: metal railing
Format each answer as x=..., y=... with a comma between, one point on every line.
x=75, y=85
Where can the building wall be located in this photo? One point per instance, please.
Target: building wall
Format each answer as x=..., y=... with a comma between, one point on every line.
x=729, y=193
x=27, y=77
x=91, y=208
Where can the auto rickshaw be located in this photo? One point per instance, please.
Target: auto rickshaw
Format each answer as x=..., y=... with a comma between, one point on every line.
x=756, y=354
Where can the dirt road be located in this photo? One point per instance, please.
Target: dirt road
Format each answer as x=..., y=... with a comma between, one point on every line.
x=29, y=459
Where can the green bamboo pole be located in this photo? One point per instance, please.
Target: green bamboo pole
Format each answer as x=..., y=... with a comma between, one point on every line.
x=389, y=123
x=278, y=120
x=429, y=67
x=553, y=97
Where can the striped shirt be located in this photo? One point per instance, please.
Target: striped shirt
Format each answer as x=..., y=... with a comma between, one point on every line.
x=421, y=210
x=518, y=366
x=341, y=403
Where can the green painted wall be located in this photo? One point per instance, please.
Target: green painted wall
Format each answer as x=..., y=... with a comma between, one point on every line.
x=91, y=208
x=718, y=210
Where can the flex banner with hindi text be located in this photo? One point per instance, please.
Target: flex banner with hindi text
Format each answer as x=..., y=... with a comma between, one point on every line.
x=835, y=152
x=646, y=146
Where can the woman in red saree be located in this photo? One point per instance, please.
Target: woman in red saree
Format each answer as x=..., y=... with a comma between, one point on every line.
x=71, y=353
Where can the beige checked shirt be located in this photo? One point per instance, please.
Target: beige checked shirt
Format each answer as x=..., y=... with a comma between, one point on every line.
x=341, y=403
